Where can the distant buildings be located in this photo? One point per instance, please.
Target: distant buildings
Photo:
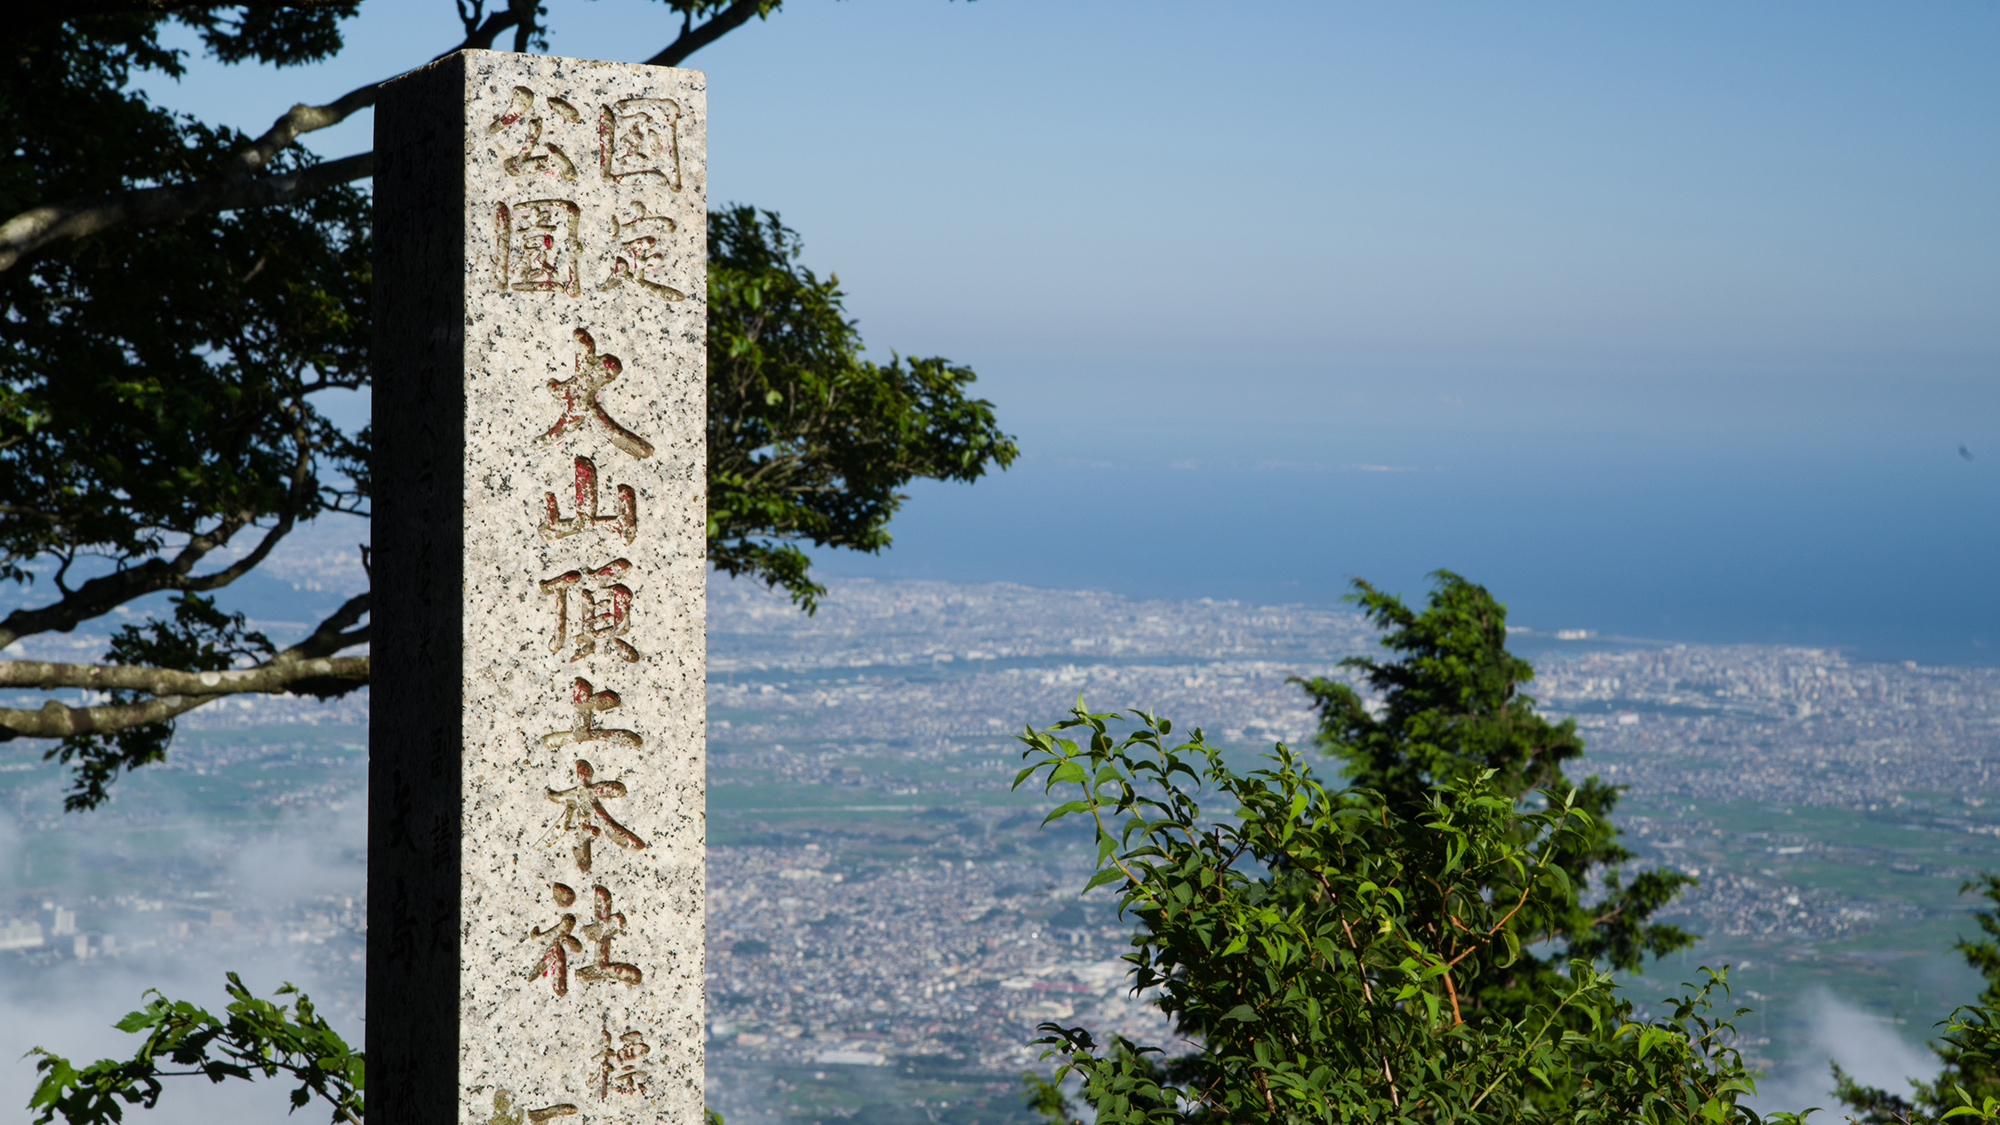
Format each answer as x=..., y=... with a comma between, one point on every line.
x=25, y=933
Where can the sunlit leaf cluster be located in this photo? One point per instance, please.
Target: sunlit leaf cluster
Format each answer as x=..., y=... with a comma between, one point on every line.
x=809, y=441
x=1308, y=943
x=255, y=1038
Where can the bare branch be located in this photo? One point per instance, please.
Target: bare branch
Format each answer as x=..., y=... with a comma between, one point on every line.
x=102, y=594
x=298, y=120
x=274, y=677
x=328, y=638
x=692, y=39
x=53, y=720
x=37, y=227
x=324, y=677
x=479, y=36
x=241, y=566
x=306, y=668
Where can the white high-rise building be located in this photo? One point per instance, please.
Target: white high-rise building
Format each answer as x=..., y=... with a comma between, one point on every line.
x=65, y=922
x=26, y=933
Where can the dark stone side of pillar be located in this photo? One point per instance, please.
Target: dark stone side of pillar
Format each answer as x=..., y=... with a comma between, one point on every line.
x=414, y=775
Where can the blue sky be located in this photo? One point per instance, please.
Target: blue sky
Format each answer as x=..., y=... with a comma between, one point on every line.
x=1663, y=319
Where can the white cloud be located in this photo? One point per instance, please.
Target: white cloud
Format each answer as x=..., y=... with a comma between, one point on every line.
x=1873, y=1052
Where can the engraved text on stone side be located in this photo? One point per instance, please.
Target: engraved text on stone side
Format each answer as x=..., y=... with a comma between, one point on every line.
x=618, y=1065
x=538, y=247
x=583, y=814
x=556, y=943
x=637, y=255
x=638, y=141
x=625, y=523
x=608, y=925
x=520, y=122
x=504, y=1112
x=602, y=610
x=587, y=702
x=580, y=398
x=538, y=242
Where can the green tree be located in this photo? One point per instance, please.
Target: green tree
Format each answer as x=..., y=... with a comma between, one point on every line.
x=177, y=302
x=179, y=299
x=1401, y=913
x=1304, y=940
x=258, y=1039
x=1450, y=711
x=806, y=439
x=1969, y=1047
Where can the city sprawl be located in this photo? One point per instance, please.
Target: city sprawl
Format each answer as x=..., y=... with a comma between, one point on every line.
x=888, y=924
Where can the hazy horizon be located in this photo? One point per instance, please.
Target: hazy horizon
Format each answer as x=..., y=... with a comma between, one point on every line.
x=1666, y=321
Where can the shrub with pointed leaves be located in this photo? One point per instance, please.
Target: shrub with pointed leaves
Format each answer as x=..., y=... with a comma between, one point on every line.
x=258, y=1039
x=1309, y=943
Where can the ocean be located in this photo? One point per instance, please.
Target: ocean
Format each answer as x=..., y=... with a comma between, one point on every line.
x=1884, y=545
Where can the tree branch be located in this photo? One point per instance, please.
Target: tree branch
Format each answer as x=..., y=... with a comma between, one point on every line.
x=53, y=720
x=479, y=36
x=241, y=566
x=273, y=677
x=328, y=638
x=239, y=185
x=306, y=668
x=38, y=227
x=102, y=594
x=715, y=27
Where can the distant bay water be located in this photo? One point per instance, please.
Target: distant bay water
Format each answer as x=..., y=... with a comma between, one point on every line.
x=1861, y=513
x=1884, y=544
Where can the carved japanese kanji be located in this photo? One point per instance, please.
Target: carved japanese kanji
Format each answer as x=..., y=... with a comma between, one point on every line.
x=618, y=1069
x=607, y=926
x=638, y=255
x=537, y=156
x=625, y=523
x=536, y=858
x=583, y=813
x=603, y=610
x=638, y=141
x=588, y=703
x=556, y=943
x=503, y=1103
x=538, y=247
x=579, y=397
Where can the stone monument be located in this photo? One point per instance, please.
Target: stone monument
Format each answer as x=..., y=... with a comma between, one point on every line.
x=535, y=795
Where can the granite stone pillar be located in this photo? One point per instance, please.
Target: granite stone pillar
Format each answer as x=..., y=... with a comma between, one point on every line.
x=536, y=751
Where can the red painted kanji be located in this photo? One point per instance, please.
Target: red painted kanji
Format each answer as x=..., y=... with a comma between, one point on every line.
x=583, y=813
x=579, y=395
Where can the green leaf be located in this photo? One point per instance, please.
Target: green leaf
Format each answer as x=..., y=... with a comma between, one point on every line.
x=1068, y=772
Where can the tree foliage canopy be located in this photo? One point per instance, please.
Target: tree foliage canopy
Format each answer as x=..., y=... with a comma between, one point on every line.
x=1308, y=943
x=178, y=301
x=807, y=440
x=1451, y=711
x=256, y=1039
x=1968, y=1083
x=1432, y=941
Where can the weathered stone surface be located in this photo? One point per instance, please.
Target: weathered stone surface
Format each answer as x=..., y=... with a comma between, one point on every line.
x=536, y=803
